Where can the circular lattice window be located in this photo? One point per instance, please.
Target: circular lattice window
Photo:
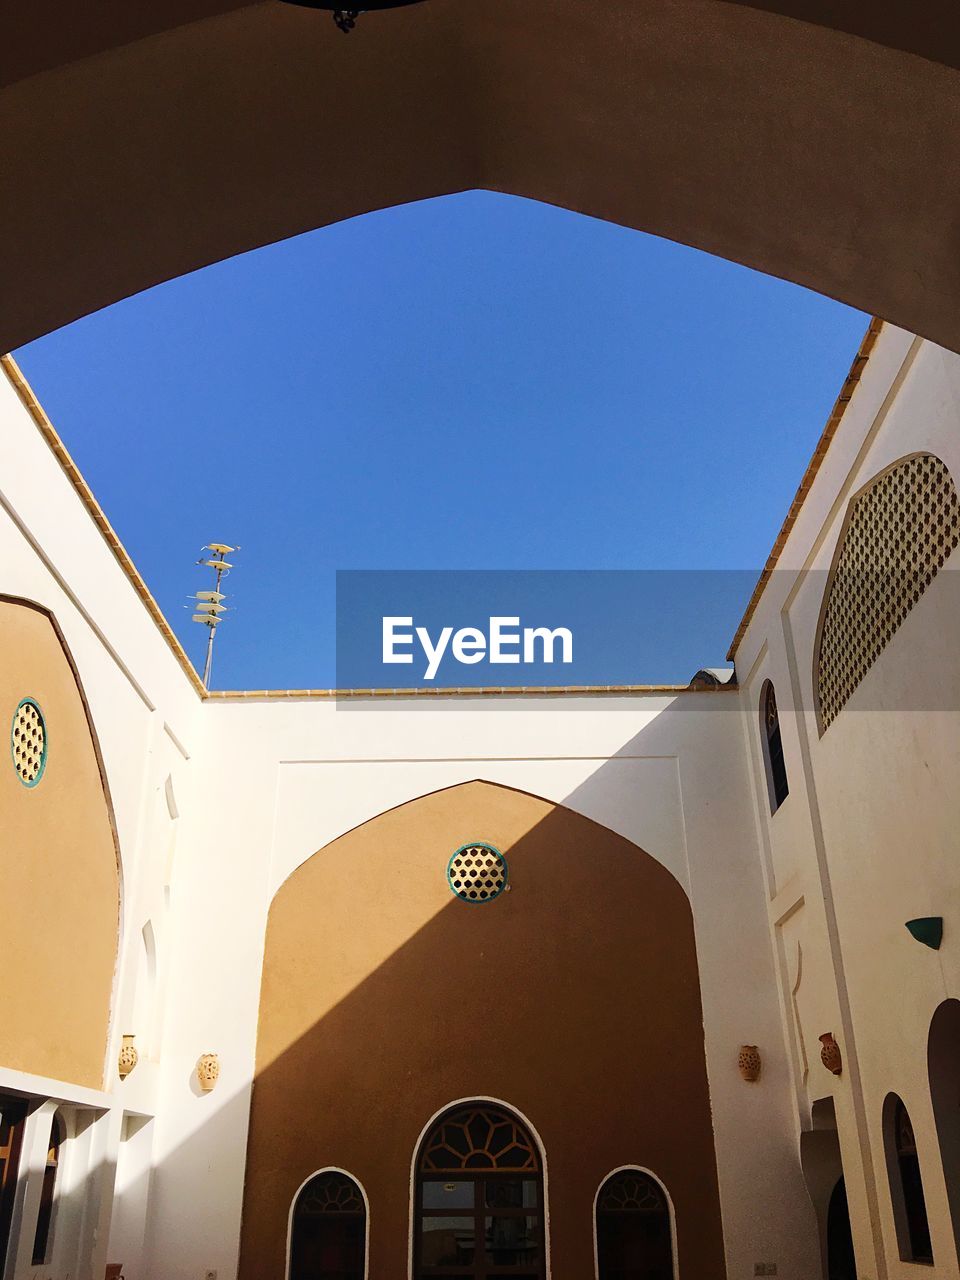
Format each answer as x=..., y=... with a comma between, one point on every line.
x=477, y=873
x=28, y=742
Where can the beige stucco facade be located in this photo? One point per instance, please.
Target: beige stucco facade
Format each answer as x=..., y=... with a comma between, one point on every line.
x=284, y=905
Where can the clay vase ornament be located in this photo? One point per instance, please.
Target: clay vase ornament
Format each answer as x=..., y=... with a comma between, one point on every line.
x=749, y=1063
x=830, y=1053
x=128, y=1058
x=208, y=1071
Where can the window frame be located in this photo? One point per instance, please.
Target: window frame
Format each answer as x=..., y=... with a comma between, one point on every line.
x=774, y=759
x=329, y=1168
x=479, y=1211
x=668, y=1200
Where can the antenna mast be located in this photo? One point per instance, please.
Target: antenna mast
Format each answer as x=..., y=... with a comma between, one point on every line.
x=210, y=609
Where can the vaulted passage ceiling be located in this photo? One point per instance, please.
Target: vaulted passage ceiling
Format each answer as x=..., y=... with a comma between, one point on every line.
x=813, y=139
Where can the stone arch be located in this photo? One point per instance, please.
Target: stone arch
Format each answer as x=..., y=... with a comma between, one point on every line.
x=60, y=875
x=730, y=126
x=575, y=988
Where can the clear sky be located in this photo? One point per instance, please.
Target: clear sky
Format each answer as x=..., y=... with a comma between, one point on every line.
x=473, y=382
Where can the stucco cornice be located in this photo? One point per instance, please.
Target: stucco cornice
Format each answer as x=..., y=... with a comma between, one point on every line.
x=806, y=484
x=85, y=493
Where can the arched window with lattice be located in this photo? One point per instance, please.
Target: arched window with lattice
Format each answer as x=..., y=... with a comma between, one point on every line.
x=634, y=1230
x=328, y=1229
x=479, y=1206
x=898, y=533
x=906, y=1183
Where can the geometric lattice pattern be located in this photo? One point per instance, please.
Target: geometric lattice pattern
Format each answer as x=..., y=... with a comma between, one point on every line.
x=631, y=1191
x=28, y=742
x=479, y=1137
x=330, y=1193
x=900, y=531
x=477, y=873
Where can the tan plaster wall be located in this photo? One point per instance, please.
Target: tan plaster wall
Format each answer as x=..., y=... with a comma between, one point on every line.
x=574, y=998
x=59, y=882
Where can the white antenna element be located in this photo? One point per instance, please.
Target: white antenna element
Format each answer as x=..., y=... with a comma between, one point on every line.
x=209, y=608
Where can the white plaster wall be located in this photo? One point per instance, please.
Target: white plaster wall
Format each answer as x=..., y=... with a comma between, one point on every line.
x=283, y=778
x=867, y=838
x=799, y=916
x=145, y=714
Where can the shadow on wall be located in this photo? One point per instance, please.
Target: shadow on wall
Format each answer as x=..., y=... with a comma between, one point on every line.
x=573, y=997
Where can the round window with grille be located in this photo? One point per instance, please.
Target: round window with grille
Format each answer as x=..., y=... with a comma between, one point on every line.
x=477, y=873
x=28, y=742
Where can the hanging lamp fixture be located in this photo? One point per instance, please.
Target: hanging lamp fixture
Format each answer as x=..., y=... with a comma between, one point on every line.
x=346, y=19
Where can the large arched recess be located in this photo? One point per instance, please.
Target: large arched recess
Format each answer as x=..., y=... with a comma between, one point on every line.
x=810, y=139
x=59, y=872
x=574, y=997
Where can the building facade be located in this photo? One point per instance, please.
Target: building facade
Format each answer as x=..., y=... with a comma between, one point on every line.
x=652, y=982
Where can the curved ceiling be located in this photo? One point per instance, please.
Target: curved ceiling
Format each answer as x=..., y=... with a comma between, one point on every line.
x=812, y=139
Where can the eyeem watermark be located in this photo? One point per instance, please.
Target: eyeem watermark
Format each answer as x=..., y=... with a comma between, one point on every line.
x=503, y=643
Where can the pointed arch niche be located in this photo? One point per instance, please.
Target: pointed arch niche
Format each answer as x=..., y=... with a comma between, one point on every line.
x=385, y=996
x=59, y=865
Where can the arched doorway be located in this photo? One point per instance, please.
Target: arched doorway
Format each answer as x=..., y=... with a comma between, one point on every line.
x=943, y=1066
x=479, y=1197
x=634, y=1230
x=906, y=1183
x=328, y=1229
x=841, y=1262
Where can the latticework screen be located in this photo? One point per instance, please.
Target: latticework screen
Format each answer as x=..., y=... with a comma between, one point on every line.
x=477, y=873
x=479, y=1137
x=330, y=1192
x=631, y=1191
x=28, y=742
x=899, y=533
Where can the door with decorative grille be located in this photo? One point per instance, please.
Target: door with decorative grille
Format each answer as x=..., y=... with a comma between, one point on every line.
x=634, y=1235
x=479, y=1209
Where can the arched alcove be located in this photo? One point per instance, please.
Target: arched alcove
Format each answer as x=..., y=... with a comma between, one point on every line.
x=59, y=864
x=906, y=1182
x=569, y=991
x=943, y=1063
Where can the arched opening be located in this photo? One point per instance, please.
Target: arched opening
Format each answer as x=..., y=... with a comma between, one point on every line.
x=908, y=516
x=943, y=1065
x=41, y=1240
x=328, y=1229
x=634, y=1228
x=479, y=1197
x=517, y=1020
x=906, y=1183
x=533, y=98
x=841, y=1262
x=61, y=975
x=774, y=765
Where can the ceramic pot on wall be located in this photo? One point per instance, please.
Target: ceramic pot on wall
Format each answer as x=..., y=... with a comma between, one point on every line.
x=749, y=1062
x=208, y=1071
x=129, y=1057
x=830, y=1053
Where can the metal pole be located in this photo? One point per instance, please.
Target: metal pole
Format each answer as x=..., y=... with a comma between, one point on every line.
x=208, y=665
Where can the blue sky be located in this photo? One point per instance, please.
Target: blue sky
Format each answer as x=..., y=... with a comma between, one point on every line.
x=473, y=382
